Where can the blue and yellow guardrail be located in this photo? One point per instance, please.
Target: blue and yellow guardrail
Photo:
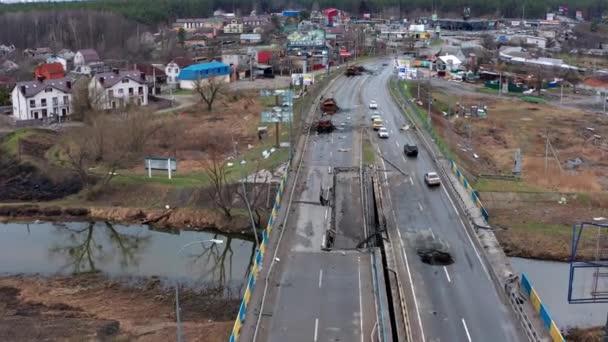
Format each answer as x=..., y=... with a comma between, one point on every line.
x=541, y=309
x=257, y=264
x=470, y=190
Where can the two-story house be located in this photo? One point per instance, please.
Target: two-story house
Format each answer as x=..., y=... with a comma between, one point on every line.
x=86, y=57
x=42, y=98
x=115, y=89
x=234, y=27
x=190, y=24
x=174, y=67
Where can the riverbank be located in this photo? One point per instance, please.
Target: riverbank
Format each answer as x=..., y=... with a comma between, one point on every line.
x=90, y=307
x=195, y=219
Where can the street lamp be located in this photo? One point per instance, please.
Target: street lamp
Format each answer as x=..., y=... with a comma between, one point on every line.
x=177, y=308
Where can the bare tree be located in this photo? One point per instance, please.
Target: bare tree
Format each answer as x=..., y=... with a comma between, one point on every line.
x=488, y=42
x=107, y=143
x=221, y=192
x=251, y=195
x=208, y=89
x=85, y=101
x=573, y=77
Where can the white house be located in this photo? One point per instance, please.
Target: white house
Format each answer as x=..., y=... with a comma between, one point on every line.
x=110, y=90
x=540, y=42
x=233, y=27
x=448, y=62
x=172, y=72
x=86, y=56
x=42, y=99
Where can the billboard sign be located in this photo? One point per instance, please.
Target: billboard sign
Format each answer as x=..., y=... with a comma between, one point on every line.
x=160, y=163
x=277, y=114
x=312, y=38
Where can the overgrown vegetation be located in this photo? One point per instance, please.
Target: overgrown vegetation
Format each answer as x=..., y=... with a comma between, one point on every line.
x=156, y=12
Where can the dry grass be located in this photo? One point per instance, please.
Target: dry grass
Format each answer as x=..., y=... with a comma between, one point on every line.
x=513, y=125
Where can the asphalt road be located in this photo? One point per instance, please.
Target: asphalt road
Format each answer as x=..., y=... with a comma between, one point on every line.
x=317, y=295
x=458, y=302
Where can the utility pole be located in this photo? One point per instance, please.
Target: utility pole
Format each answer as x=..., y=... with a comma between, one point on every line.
x=500, y=84
x=561, y=92
x=251, y=66
x=276, y=125
x=428, y=119
x=546, y=148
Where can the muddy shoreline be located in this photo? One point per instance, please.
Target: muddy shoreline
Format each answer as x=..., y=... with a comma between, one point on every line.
x=93, y=307
x=173, y=219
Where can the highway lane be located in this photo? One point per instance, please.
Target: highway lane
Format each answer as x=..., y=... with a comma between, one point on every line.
x=458, y=302
x=317, y=295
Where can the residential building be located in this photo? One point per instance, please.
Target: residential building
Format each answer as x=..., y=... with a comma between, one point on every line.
x=42, y=98
x=66, y=54
x=191, y=24
x=91, y=69
x=154, y=77
x=189, y=76
x=6, y=49
x=250, y=38
x=49, y=71
x=58, y=59
x=174, y=67
x=540, y=42
x=86, y=57
x=172, y=72
x=115, y=89
x=256, y=20
x=234, y=27
x=448, y=63
x=8, y=66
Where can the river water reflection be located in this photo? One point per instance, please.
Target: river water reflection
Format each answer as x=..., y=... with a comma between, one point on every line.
x=124, y=251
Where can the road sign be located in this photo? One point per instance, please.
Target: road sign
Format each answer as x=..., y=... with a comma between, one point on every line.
x=278, y=114
x=160, y=164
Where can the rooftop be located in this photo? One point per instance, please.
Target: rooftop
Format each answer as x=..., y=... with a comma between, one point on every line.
x=31, y=88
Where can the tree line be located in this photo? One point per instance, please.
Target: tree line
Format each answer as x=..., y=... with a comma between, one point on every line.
x=159, y=12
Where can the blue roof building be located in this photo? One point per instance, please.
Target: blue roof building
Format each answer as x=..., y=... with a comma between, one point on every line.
x=204, y=70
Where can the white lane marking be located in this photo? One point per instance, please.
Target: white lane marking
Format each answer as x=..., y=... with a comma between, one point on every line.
x=316, y=329
x=411, y=180
x=404, y=160
x=331, y=154
x=446, y=274
x=329, y=169
x=420, y=206
x=467, y=234
x=397, y=143
x=407, y=266
x=320, y=278
x=464, y=324
x=326, y=210
x=432, y=234
x=379, y=150
x=409, y=275
x=360, y=302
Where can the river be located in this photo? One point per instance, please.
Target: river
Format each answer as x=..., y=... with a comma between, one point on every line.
x=129, y=252
x=550, y=280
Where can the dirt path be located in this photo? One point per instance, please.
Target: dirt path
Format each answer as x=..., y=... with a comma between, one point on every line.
x=90, y=307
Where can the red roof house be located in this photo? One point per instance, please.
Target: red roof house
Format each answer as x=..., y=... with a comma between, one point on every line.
x=49, y=71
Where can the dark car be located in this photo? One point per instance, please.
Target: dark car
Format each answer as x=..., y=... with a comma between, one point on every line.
x=410, y=150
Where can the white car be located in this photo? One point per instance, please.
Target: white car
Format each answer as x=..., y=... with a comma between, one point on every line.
x=373, y=105
x=375, y=116
x=383, y=133
x=432, y=178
